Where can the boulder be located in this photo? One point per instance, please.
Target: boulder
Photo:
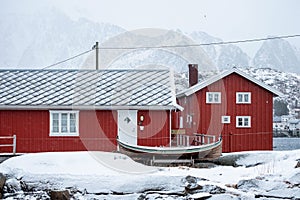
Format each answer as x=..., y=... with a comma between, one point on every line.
x=229, y=160
x=246, y=185
x=2, y=183
x=298, y=164
x=59, y=195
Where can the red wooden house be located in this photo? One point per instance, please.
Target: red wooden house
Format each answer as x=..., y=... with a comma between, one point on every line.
x=232, y=104
x=75, y=110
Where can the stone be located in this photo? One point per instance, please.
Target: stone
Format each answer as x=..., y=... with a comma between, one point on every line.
x=2, y=183
x=298, y=164
x=59, y=195
x=248, y=184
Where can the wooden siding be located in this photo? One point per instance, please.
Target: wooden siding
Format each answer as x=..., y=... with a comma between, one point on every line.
x=156, y=128
x=97, y=129
x=208, y=121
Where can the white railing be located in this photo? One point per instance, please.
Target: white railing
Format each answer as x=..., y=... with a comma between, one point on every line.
x=195, y=140
x=13, y=145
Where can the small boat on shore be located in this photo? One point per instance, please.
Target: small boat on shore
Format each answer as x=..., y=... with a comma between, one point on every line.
x=198, y=152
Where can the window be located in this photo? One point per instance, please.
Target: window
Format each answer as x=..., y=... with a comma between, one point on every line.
x=213, y=97
x=243, y=121
x=64, y=123
x=243, y=97
x=226, y=119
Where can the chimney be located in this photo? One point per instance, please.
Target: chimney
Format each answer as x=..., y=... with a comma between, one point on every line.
x=193, y=74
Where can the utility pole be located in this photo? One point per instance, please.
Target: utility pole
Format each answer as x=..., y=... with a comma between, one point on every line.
x=96, y=46
x=97, y=54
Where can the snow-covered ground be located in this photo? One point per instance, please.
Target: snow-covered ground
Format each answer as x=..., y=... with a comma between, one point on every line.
x=100, y=175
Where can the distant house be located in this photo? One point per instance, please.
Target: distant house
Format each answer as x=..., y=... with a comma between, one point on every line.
x=76, y=110
x=232, y=104
x=277, y=124
x=294, y=124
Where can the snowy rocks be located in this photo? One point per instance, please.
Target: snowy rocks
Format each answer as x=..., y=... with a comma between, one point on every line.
x=2, y=183
x=295, y=180
x=248, y=184
x=229, y=160
x=59, y=195
x=12, y=186
x=298, y=164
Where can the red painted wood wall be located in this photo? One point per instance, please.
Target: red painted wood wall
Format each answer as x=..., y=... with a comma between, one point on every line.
x=156, y=128
x=98, y=131
x=207, y=117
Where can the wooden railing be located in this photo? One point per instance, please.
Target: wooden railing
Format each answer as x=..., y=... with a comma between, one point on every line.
x=13, y=145
x=195, y=140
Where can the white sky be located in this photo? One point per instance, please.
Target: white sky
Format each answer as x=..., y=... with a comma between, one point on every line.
x=226, y=19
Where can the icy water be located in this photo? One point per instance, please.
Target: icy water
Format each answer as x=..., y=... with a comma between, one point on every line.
x=284, y=143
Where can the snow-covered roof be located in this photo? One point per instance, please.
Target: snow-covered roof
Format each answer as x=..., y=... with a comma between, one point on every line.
x=217, y=77
x=152, y=89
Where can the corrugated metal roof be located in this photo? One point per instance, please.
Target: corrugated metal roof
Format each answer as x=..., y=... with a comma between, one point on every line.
x=100, y=89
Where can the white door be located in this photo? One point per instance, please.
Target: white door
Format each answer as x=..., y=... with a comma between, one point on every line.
x=127, y=126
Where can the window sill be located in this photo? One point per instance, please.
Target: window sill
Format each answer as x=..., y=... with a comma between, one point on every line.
x=64, y=134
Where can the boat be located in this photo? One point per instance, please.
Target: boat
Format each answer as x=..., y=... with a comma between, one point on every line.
x=198, y=152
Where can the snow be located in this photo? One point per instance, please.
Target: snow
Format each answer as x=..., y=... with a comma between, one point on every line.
x=259, y=173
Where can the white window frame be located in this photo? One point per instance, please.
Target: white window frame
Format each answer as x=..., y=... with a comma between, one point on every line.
x=243, y=118
x=243, y=97
x=213, y=99
x=225, y=119
x=60, y=133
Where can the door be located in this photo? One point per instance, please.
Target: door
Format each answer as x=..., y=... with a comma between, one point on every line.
x=127, y=126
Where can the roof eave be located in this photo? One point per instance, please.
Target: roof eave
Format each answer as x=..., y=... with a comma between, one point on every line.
x=82, y=107
x=213, y=79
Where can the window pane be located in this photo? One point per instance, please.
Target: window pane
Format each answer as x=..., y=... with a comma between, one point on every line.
x=246, y=122
x=246, y=97
x=240, y=121
x=210, y=97
x=64, y=122
x=240, y=98
x=216, y=97
x=55, y=122
x=72, y=122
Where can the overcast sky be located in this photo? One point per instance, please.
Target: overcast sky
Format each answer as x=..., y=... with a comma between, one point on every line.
x=226, y=19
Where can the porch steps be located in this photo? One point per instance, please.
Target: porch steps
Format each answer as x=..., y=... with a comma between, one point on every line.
x=172, y=161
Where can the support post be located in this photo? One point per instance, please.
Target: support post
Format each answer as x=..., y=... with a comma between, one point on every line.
x=14, y=144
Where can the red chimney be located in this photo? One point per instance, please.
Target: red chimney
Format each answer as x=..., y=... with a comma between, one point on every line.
x=193, y=74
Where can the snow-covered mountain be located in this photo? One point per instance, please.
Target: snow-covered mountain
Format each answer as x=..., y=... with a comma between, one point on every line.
x=277, y=54
x=50, y=36
x=36, y=41
x=223, y=56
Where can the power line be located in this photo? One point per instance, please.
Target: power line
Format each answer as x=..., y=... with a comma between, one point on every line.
x=202, y=44
x=176, y=46
x=68, y=59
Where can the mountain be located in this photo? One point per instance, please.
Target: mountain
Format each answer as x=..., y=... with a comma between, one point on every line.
x=223, y=56
x=50, y=36
x=277, y=54
x=47, y=37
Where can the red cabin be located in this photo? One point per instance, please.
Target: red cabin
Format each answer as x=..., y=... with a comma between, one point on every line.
x=232, y=104
x=76, y=110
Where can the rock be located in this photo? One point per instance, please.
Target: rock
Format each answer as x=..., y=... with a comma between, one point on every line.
x=2, y=183
x=191, y=179
x=213, y=189
x=12, y=186
x=295, y=180
x=229, y=160
x=59, y=195
x=298, y=164
x=207, y=165
x=200, y=196
x=248, y=184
